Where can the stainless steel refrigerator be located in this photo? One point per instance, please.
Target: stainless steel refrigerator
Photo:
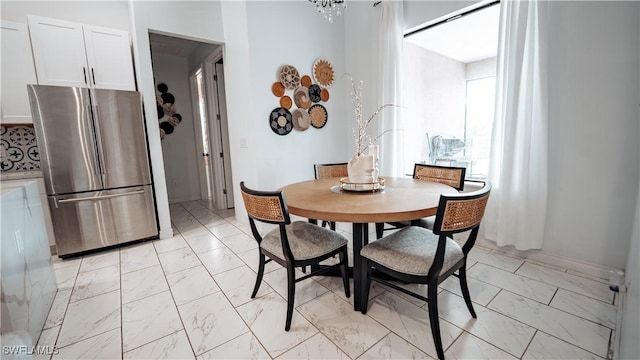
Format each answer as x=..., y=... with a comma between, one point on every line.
x=93, y=154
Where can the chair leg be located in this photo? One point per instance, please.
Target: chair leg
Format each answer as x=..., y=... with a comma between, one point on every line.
x=433, y=317
x=366, y=284
x=324, y=223
x=291, y=293
x=343, y=270
x=379, y=230
x=259, y=276
x=462, y=274
x=332, y=225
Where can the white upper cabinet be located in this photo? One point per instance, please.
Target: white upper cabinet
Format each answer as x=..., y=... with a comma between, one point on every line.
x=17, y=72
x=72, y=54
x=109, y=57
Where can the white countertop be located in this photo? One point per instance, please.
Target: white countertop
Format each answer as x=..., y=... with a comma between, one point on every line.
x=14, y=175
x=9, y=185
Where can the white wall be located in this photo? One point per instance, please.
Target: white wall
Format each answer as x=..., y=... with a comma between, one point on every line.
x=630, y=317
x=239, y=105
x=196, y=20
x=201, y=53
x=293, y=33
x=112, y=14
x=178, y=149
x=593, y=130
x=481, y=69
x=361, y=34
x=628, y=326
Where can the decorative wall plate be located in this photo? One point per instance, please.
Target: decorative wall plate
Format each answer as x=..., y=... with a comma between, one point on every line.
x=324, y=95
x=323, y=72
x=318, y=115
x=314, y=93
x=301, y=119
x=289, y=77
x=285, y=102
x=280, y=121
x=168, y=109
x=306, y=81
x=277, y=89
x=301, y=97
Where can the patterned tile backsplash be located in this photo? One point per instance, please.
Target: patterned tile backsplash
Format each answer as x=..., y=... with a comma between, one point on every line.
x=19, y=151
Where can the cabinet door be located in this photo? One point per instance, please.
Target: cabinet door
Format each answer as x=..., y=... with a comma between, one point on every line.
x=109, y=58
x=17, y=71
x=58, y=51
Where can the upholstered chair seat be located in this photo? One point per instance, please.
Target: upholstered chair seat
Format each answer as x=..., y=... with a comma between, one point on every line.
x=416, y=255
x=293, y=245
x=307, y=241
x=411, y=250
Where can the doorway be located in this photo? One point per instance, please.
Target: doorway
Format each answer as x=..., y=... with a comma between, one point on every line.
x=196, y=149
x=208, y=97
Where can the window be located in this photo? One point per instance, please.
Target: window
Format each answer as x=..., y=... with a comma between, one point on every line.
x=478, y=124
x=449, y=88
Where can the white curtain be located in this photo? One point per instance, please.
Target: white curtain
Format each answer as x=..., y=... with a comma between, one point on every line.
x=516, y=211
x=391, y=36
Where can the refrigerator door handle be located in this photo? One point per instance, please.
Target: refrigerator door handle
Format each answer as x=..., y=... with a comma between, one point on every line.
x=100, y=197
x=97, y=169
x=96, y=125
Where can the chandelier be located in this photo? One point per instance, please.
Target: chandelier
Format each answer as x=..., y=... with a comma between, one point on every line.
x=326, y=7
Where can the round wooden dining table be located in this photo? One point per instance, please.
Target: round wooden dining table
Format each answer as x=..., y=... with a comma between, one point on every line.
x=402, y=199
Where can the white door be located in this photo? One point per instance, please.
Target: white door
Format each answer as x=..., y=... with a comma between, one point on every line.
x=58, y=52
x=109, y=58
x=201, y=126
x=224, y=135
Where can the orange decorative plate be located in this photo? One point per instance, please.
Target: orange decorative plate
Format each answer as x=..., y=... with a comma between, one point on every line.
x=323, y=72
x=306, y=81
x=324, y=95
x=277, y=89
x=285, y=102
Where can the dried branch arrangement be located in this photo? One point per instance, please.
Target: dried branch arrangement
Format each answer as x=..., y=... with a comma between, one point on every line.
x=360, y=134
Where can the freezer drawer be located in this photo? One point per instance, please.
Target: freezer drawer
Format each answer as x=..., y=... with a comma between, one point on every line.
x=94, y=220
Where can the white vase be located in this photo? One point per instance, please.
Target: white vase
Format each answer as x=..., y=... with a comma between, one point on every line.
x=361, y=168
x=375, y=151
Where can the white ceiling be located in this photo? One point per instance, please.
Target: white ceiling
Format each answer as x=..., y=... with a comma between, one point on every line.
x=470, y=38
x=169, y=45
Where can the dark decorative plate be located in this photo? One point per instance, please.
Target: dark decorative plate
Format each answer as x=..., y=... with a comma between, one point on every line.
x=314, y=93
x=318, y=115
x=281, y=121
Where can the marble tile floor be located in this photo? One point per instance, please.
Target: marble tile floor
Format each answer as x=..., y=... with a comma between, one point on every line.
x=189, y=297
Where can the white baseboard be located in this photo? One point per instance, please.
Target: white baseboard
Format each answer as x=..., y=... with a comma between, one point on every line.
x=619, y=319
x=598, y=271
x=166, y=233
x=184, y=199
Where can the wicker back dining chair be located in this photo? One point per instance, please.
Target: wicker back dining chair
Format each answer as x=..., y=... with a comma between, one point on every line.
x=322, y=171
x=448, y=175
x=422, y=256
x=291, y=244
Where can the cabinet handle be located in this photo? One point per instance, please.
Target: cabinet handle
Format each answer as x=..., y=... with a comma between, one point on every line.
x=93, y=76
x=84, y=73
